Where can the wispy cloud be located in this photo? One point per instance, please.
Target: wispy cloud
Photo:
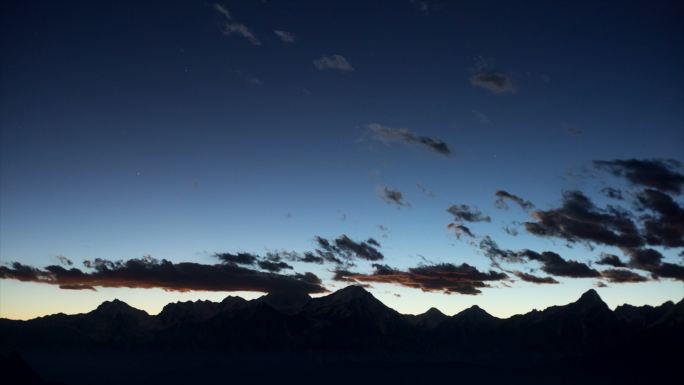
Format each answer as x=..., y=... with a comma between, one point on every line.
x=404, y=135
x=222, y=10
x=494, y=81
x=502, y=196
x=466, y=213
x=285, y=36
x=487, y=77
x=232, y=27
x=392, y=196
x=333, y=62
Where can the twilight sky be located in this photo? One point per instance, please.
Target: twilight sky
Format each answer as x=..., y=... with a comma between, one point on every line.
x=171, y=150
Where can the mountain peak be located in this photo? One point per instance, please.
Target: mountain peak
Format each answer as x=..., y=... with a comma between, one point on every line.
x=117, y=306
x=352, y=291
x=590, y=297
x=474, y=312
x=288, y=302
x=434, y=312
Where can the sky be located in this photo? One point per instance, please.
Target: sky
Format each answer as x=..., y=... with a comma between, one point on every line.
x=443, y=154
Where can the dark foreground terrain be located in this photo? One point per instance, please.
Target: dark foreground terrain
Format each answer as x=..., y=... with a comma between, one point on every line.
x=345, y=337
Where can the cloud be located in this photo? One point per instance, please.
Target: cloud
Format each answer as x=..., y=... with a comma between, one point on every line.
x=404, y=135
x=466, y=213
x=150, y=272
x=222, y=10
x=231, y=27
x=669, y=270
x=534, y=279
x=665, y=226
x=392, y=196
x=77, y=287
x=285, y=36
x=482, y=118
x=425, y=190
x=512, y=231
x=333, y=62
x=274, y=266
x=654, y=173
x=496, y=254
x=551, y=263
x=622, y=276
x=460, y=230
x=495, y=81
x=502, y=196
x=652, y=261
x=64, y=260
x=610, y=260
x=239, y=258
x=242, y=30
x=645, y=259
x=345, y=249
x=308, y=257
x=444, y=277
x=579, y=220
x=554, y=264
x=612, y=193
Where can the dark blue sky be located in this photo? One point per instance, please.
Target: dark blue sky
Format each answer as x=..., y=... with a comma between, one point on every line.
x=132, y=128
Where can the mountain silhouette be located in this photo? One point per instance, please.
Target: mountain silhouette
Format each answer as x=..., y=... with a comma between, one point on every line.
x=428, y=320
x=351, y=324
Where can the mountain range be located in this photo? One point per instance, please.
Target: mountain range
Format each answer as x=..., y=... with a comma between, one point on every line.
x=351, y=326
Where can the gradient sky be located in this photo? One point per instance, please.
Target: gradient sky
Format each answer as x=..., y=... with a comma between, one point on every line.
x=141, y=128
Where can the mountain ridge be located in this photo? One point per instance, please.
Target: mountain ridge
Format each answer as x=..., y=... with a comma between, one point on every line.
x=350, y=318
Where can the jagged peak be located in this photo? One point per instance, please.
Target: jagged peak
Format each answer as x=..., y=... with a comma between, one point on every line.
x=116, y=306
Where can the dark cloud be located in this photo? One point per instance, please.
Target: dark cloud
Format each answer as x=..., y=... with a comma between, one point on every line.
x=494, y=81
x=373, y=242
x=274, y=266
x=622, y=276
x=502, y=196
x=64, y=260
x=534, y=279
x=665, y=225
x=309, y=257
x=389, y=134
x=239, y=258
x=512, y=231
x=393, y=196
x=669, y=270
x=655, y=173
x=345, y=249
x=645, y=259
x=652, y=261
x=149, y=272
x=496, y=254
x=444, y=277
x=610, y=260
x=466, y=213
x=460, y=230
x=612, y=193
x=77, y=287
x=554, y=264
x=579, y=220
